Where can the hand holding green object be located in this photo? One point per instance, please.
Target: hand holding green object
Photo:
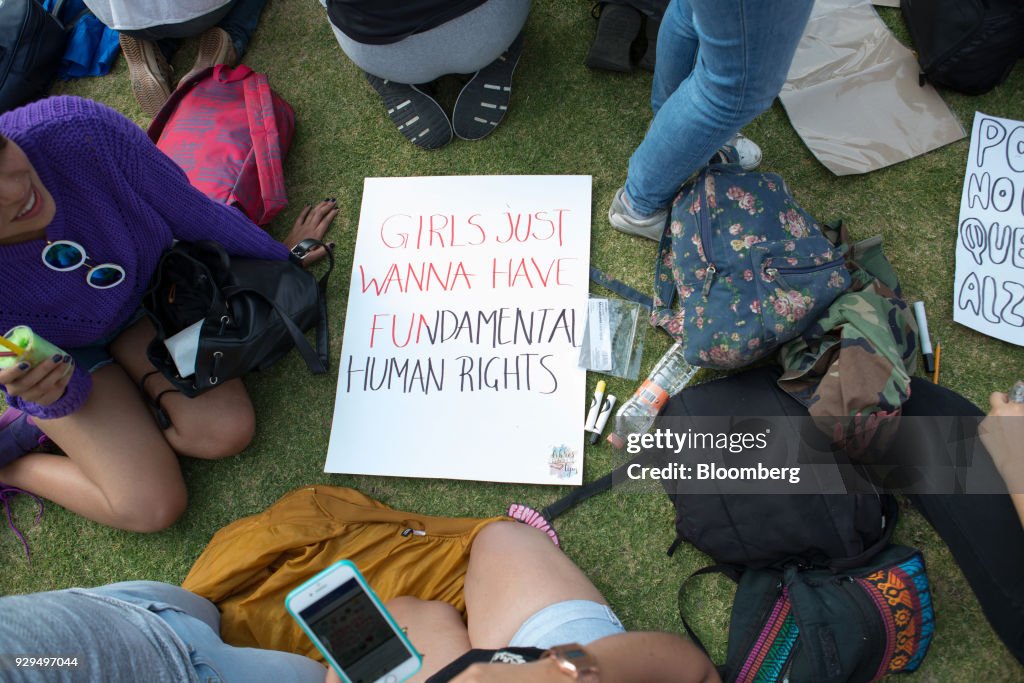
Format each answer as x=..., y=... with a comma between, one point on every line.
x=22, y=345
x=32, y=368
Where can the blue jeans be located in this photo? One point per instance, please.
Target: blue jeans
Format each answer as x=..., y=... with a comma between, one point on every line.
x=720, y=63
x=197, y=622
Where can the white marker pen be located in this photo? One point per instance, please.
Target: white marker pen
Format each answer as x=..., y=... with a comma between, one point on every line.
x=602, y=419
x=926, y=340
x=595, y=406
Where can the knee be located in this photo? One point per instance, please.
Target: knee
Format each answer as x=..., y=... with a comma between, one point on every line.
x=497, y=536
x=404, y=604
x=737, y=98
x=150, y=513
x=215, y=434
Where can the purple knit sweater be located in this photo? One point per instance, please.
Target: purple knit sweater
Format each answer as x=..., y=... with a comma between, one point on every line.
x=124, y=201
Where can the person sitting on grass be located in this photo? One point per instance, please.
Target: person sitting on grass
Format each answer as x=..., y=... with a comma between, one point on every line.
x=522, y=597
x=402, y=46
x=87, y=206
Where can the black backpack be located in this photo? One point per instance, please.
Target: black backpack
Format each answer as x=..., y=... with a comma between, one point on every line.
x=32, y=43
x=823, y=597
x=966, y=45
x=762, y=530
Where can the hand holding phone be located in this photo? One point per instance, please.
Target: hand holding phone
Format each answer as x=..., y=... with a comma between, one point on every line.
x=348, y=624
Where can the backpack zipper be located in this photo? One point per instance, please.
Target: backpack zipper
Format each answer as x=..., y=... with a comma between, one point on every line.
x=871, y=618
x=704, y=228
x=777, y=273
x=709, y=275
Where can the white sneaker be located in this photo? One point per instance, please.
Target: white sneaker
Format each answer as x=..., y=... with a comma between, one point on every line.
x=624, y=220
x=749, y=152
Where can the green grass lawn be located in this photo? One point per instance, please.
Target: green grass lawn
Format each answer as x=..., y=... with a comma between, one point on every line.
x=565, y=119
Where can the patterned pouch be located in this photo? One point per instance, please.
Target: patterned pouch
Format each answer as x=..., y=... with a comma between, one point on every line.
x=815, y=625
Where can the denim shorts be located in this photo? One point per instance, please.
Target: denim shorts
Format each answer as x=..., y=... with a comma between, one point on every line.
x=571, y=621
x=96, y=355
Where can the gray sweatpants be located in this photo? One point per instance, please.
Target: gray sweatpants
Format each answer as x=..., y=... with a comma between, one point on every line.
x=463, y=45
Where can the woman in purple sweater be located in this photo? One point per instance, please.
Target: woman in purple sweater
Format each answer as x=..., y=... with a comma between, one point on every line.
x=75, y=171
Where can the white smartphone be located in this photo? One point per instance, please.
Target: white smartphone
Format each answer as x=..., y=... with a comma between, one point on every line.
x=348, y=623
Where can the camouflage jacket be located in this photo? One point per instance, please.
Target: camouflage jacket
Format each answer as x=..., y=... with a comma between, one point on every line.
x=853, y=365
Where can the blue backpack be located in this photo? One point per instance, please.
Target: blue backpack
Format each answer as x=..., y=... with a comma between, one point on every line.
x=751, y=269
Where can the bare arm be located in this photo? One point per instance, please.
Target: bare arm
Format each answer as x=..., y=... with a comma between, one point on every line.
x=1002, y=432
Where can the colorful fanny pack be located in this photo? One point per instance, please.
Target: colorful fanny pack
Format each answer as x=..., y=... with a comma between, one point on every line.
x=817, y=625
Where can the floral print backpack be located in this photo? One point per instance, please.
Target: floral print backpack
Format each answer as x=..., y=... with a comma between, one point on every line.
x=749, y=267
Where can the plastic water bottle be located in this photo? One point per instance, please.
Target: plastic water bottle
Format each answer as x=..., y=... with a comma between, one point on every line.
x=669, y=376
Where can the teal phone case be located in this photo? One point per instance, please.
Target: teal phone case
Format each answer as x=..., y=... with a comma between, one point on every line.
x=376, y=601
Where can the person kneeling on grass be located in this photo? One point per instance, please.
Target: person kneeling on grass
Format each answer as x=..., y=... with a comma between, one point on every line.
x=403, y=46
x=150, y=31
x=87, y=206
x=522, y=596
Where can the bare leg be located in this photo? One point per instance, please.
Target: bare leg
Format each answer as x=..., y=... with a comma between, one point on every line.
x=435, y=629
x=120, y=471
x=515, y=571
x=215, y=424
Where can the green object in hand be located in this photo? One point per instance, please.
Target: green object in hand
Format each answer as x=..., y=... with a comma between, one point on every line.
x=34, y=349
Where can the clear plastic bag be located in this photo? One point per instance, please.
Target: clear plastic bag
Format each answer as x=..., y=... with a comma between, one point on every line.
x=613, y=341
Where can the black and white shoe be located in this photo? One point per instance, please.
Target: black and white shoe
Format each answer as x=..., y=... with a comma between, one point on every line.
x=417, y=115
x=483, y=101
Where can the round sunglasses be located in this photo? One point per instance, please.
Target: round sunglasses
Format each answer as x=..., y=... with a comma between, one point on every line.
x=64, y=255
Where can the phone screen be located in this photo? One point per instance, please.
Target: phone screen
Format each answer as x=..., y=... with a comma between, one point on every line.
x=358, y=636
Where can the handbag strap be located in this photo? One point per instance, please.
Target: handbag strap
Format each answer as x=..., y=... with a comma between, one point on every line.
x=590, y=490
x=316, y=359
x=266, y=143
x=620, y=288
x=55, y=8
x=159, y=122
x=729, y=570
x=322, y=339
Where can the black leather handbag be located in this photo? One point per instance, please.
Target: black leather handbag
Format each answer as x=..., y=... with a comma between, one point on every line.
x=252, y=311
x=32, y=43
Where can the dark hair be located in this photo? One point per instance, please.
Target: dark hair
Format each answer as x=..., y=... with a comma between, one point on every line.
x=3, y=141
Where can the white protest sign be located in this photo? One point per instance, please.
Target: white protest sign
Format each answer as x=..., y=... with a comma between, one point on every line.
x=988, y=292
x=465, y=313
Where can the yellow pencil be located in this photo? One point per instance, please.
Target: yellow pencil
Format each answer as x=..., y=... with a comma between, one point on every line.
x=11, y=346
x=938, y=359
